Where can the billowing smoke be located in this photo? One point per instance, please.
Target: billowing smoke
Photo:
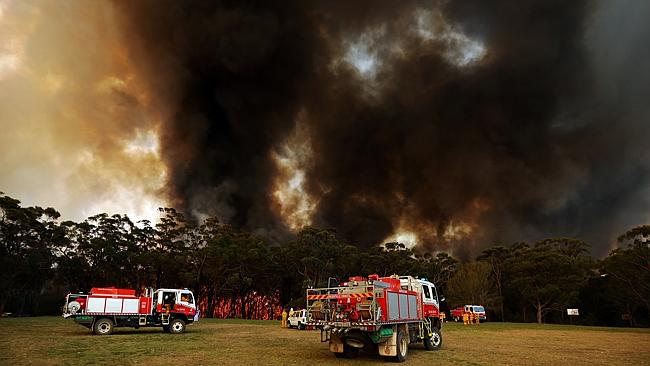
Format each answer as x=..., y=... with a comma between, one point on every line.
x=451, y=124
x=76, y=132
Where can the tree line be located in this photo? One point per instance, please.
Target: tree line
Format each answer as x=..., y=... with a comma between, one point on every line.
x=235, y=273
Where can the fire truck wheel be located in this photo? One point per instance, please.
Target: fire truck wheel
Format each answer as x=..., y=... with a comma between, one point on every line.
x=433, y=342
x=177, y=326
x=103, y=326
x=348, y=352
x=402, y=346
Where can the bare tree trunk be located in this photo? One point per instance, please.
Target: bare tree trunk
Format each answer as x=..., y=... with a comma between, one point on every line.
x=497, y=275
x=2, y=306
x=21, y=308
x=36, y=302
x=539, y=312
x=210, y=306
x=158, y=275
x=629, y=313
x=503, y=319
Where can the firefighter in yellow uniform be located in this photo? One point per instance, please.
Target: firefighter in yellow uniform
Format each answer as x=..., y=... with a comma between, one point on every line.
x=442, y=317
x=465, y=318
x=472, y=318
x=284, y=318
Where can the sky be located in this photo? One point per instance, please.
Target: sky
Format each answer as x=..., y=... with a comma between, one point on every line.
x=445, y=125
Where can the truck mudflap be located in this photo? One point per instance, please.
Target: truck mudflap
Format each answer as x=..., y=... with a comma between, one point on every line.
x=388, y=345
x=336, y=344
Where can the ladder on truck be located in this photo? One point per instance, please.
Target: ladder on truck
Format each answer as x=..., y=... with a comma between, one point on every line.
x=164, y=317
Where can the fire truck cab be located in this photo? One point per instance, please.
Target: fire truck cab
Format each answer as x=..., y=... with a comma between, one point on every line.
x=105, y=308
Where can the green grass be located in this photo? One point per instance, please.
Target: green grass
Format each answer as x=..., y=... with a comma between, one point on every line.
x=57, y=341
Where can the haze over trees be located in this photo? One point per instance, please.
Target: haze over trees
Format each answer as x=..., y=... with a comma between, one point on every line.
x=235, y=273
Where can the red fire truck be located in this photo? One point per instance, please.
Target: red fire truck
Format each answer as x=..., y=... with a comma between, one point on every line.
x=105, y=308
x=383, y=314
x=479, y=310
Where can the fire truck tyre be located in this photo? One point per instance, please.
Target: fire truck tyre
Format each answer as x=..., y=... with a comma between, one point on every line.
x=402, y=346
x=103, y=326
x=434, y=342
x=177, y=326
x=348, y=352
x=301, y=326
x=456, y=319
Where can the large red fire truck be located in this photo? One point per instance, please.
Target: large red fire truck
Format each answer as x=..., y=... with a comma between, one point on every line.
x=383, y=314
x=105, y=308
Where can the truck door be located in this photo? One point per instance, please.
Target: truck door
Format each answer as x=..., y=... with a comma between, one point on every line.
x=429, y=302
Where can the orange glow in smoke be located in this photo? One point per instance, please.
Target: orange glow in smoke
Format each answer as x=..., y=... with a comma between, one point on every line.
x=295, y=205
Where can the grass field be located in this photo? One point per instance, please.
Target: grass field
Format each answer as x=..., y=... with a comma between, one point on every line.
x=56, y=341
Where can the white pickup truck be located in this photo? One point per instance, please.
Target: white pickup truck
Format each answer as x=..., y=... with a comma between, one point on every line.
x=297, y=319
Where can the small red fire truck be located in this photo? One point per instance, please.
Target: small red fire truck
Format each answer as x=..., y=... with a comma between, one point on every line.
x=478, y=310
x=105, y=308
x=383, y=314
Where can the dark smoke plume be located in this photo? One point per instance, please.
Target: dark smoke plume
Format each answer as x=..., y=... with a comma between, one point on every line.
x=467, y=122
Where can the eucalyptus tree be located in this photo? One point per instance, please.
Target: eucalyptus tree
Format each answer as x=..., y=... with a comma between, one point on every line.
x=27, y=238
x=546, y=276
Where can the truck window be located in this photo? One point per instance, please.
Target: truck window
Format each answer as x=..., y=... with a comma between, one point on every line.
x=169, y=298
x=427, y=293
x=434, y=298
x=187, y=297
